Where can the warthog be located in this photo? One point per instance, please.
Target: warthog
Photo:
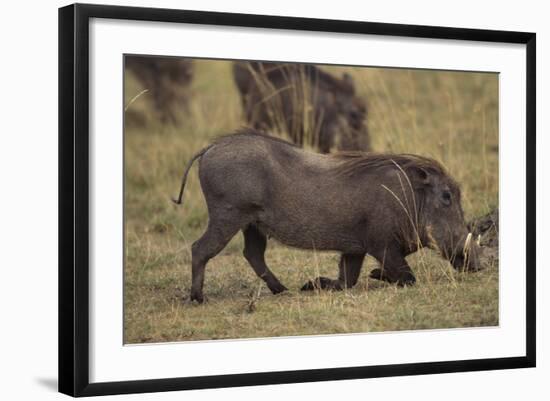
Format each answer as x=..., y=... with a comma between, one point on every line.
x=384, y=205
x=305, y=102
x=167, y=79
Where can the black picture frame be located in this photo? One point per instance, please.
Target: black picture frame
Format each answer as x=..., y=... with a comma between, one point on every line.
x=74, y=198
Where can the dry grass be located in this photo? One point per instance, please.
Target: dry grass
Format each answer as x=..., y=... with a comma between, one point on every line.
x=452, y=117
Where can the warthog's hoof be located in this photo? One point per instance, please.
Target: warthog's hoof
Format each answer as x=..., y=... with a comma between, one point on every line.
x=277, y=288
x=405, y=278
x=321, y=283
x=197, y=297
x=376, y=274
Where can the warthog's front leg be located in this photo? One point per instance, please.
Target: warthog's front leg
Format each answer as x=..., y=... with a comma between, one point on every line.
x=254, y=249
x=394, y=269
x=350, y=268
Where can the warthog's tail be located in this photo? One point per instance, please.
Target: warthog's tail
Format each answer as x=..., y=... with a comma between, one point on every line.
x=187, y=168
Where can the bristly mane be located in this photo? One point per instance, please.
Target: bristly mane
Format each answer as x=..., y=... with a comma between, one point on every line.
x=359, y=162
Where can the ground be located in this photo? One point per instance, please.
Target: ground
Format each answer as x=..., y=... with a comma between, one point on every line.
x=450, y=116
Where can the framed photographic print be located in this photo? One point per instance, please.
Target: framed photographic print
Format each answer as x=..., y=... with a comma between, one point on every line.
x=249, y=199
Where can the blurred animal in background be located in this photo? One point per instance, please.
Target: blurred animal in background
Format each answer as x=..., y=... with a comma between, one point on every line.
x=304, y=102
x=485, y=230
x=166, y=81
x=486, y=227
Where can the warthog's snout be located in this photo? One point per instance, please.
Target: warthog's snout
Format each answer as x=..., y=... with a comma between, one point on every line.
x=466, y=256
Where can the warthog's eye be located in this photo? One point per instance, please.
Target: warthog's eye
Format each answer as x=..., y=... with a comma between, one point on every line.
x=446, y=197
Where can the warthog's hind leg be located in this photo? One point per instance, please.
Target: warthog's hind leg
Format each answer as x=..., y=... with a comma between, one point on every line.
x=350, y=268
x=205, y=248
x=254, y=249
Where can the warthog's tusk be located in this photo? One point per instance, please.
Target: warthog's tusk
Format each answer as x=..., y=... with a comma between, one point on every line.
x=478, y=240
x=467, y=243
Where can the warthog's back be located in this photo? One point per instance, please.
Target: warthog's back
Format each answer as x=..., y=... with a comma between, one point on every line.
x=252, y=163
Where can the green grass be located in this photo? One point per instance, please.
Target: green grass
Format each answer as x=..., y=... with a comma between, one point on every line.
x=452, y=117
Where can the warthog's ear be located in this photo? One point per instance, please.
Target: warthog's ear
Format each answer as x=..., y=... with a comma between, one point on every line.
x=420, y=177
x=348, y=80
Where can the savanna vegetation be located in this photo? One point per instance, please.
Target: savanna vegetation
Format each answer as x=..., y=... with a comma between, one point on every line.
x=450, y=116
